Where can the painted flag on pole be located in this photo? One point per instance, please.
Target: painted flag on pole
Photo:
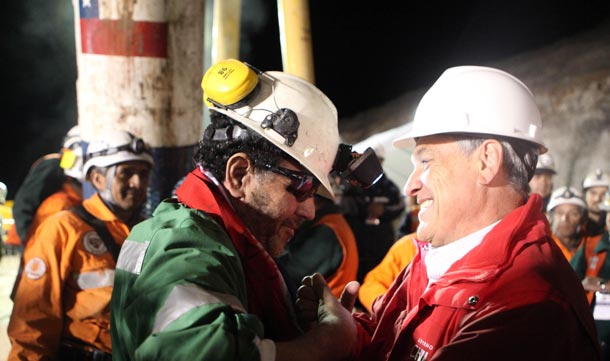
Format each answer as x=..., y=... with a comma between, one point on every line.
x=105, y=31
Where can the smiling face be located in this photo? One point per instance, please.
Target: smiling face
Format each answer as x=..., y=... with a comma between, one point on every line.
x=444, y=180
x=269, y=210
x=123, y=186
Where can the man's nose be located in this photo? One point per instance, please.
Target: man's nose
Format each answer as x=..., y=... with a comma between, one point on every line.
x=413, y=184
x=306, y=209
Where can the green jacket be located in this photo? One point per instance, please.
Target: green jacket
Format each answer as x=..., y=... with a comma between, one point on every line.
x=180, y=293
x=579, y=264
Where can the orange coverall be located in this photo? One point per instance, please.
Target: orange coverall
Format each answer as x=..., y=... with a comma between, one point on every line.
x=65, y=290
x=65, y=198
x=379, y=279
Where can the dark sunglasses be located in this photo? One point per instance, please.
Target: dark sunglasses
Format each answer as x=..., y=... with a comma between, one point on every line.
x=302, y=185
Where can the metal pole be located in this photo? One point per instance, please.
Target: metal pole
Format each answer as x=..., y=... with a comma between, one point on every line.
x=295, y=38
x=139, y=68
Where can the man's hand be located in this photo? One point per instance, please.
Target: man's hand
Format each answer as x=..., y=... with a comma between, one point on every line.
x=331, y=328
x=310, y=299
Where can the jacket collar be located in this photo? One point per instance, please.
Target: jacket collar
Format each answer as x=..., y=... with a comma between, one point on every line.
x=211, y=199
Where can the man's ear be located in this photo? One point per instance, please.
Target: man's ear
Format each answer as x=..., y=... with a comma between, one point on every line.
x=491, y=157
x=237, y=174
x=97, y=179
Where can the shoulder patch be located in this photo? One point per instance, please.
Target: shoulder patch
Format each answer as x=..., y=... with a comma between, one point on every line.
x=35, y=268
x=94, y=244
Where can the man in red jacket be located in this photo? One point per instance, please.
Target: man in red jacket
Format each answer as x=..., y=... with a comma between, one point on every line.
x=487, y=283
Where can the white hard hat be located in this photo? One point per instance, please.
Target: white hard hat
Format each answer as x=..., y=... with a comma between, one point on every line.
x=545, y=164
x=597, y=178
x=476, y=100
x=3, y=193
x=566, y=195
x=114, y=147
x=72, y=154
x=288, y=111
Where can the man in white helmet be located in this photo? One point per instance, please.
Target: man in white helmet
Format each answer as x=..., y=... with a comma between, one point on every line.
x=198, y=280
x=567, y=212
x=62, y=302
x=488, y=283
x=593, y=267
x=542, y=181
x=53, y=184
x=595, y=185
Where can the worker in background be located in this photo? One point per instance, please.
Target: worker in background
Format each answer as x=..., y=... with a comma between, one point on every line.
x=567, y=211
x=62, y=303
x=33, y=204
x=594, y=269
x=380, y=278
x=198, y=280
x=542, y=181
x=595, y=185
x=325, y=245
x=487, y=282
x=55, y=178
x=371, y=213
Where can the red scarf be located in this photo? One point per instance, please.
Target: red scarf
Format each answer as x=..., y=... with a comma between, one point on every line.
x=268, y=296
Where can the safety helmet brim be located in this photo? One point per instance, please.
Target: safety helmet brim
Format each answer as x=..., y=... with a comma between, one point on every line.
x=117, y=158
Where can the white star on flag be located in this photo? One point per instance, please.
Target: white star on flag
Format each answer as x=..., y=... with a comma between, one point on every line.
x=86, y=3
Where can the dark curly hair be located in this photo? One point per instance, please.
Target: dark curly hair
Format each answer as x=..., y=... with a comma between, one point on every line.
x=220, y=142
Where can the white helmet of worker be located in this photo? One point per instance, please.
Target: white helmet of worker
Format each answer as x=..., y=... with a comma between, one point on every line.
x=476, y=100
x=566, y=195
x=597, y=178
x=288, y=111
x=72, y=154
x=545, y=164
x=113, y=147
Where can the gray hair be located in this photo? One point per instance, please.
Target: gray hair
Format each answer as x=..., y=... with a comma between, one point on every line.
x=519, y=162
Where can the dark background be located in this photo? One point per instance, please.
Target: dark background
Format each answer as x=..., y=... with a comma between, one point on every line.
x=364, y=53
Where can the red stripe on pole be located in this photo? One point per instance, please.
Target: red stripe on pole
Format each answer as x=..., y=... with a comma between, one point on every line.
x=124, y=37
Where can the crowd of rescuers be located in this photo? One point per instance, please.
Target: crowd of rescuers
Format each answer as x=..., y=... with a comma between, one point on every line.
x=483, y=278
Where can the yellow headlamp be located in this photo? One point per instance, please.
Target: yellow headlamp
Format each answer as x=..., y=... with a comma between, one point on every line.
x=227, y=83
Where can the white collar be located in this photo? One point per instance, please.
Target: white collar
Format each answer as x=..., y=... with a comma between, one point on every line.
x=439, y=259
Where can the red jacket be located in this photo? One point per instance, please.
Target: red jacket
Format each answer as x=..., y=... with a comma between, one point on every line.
x=513, y=297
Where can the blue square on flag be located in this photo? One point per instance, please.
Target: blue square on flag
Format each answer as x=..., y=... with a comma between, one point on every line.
x=89, y=9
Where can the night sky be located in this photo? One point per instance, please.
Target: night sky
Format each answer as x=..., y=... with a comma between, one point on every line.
x=364, y=54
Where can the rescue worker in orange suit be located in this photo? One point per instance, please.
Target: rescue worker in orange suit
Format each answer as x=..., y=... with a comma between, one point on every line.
x=325, y=245
x=54, y=183
x=567, y=211
x=380, y=278
x=61, y=307
x=68, y=168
